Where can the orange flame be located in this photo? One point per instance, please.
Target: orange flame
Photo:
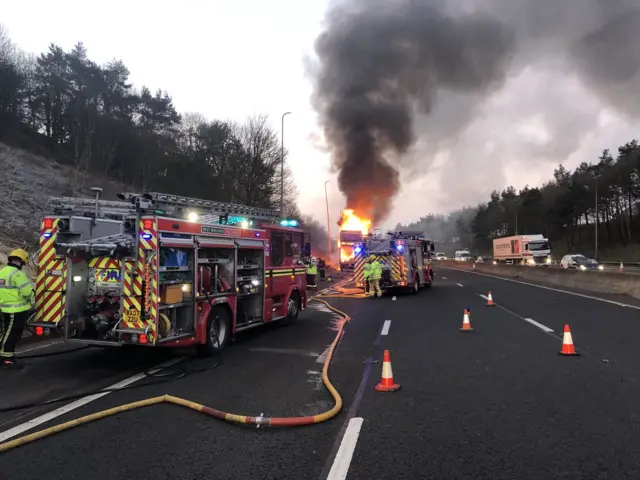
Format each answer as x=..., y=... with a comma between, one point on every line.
x=352, y=222
x=346, y=253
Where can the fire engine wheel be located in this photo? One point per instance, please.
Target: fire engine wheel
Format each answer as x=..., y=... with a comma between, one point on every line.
x=293, y=310
x=218, y=332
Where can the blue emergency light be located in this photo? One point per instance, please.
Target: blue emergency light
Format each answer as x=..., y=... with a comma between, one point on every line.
x=288, y=223
x=358, y=249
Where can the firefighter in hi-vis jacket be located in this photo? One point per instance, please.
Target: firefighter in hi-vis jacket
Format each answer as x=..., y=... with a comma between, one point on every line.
x=16, y=294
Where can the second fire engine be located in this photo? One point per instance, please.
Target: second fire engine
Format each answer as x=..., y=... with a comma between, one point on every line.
x=405, y=256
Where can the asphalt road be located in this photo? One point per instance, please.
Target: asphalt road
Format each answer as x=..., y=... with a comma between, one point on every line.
x=498, y=403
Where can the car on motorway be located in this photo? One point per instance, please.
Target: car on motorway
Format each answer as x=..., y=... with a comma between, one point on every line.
x=579, y=262
x=440, y=256
x=463, y=256
x=485, y=260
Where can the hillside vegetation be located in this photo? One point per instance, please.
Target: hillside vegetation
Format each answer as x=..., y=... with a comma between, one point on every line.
x=81, y=124
x=563, y=209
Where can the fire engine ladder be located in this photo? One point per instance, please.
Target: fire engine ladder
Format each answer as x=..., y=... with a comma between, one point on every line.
x=164, y=200
x=90, y=207
x=408, y=235
x=110, y=244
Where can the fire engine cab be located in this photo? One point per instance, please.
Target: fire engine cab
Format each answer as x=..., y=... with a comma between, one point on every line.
x=161, y=270
x=405, y=258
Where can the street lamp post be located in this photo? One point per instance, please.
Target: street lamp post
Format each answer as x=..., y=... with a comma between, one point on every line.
x=595, y=253
x=326, y=199
x=282, y=165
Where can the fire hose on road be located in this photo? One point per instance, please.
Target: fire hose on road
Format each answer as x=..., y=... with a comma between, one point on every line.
x=212, y=412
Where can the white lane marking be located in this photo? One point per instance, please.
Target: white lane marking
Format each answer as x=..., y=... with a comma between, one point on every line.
x=460, y=285
x=613, y=302
x=23, y=427
x=386, y=327
x=26, y=350
x=539, y=325
x=444, y=278
x=393, y=299
x=341, y=464
x=529, y=320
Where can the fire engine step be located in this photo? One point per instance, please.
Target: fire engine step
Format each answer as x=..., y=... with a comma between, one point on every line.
x=247, y=326
x=177, y=337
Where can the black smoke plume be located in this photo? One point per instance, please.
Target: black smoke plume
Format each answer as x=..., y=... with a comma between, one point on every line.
x=382, y=65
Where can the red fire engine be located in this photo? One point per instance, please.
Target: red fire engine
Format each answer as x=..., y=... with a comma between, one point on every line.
x=162, y=270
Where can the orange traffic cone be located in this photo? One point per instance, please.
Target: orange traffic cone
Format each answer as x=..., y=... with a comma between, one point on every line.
x=567, y=343
x=387, y=384
x=466, y=324
x=490, y=300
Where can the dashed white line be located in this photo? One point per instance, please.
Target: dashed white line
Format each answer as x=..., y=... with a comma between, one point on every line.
x=539, y=325
x=393, y=299
x=385, y=327
x=23, y=427
x=341, y=464
x=529, y=320
x=444, y=278
x=460, y=285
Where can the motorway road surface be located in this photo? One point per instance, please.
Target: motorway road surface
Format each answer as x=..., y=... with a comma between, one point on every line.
x=498, y=403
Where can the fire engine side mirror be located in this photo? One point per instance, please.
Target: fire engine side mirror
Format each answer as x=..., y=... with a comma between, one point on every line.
x=307, y=249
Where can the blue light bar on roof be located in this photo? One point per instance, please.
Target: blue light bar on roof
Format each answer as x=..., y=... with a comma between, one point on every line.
x=289, y=223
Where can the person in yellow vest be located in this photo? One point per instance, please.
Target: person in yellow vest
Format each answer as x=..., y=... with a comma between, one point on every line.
x=312, y=271
x=374, y=278
x=16, y=293
x=366, y=273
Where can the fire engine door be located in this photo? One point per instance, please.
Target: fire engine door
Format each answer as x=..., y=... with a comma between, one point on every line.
x=417, y=264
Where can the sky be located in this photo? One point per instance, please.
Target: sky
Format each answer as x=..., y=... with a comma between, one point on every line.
x=228, y=60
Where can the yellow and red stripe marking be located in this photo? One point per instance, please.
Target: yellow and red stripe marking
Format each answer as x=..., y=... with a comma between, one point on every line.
x=358, y=269
x=52, y=276
x=136, y=298
x=105, y=262
x=132, y=293
x=397, y=268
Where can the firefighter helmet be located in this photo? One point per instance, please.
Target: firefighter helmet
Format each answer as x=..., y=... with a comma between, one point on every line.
x=20, y=254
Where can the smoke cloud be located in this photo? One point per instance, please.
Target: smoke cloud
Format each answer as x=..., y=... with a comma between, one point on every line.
x=398, y=81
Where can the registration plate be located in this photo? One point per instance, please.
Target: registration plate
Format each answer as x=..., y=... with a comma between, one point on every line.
x=132, y=315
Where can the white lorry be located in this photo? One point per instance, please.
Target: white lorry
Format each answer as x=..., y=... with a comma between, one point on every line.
x=522, y=249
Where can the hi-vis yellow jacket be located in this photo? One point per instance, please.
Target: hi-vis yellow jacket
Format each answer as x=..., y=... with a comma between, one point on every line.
x=16, y=290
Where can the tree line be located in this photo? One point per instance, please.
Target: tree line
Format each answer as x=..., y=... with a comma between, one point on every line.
x=600, y=196
x=63, y=104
